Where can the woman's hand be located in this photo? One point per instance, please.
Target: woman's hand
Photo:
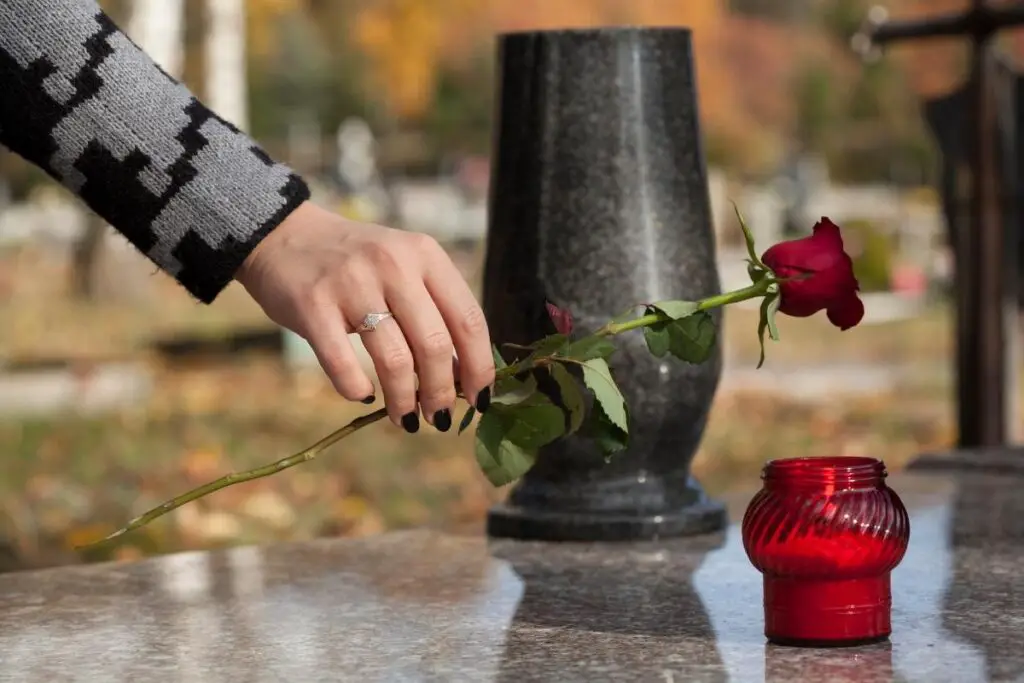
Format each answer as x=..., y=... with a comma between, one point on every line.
x=319, y=274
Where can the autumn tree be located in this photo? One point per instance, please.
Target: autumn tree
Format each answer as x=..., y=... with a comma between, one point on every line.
x=402, y=41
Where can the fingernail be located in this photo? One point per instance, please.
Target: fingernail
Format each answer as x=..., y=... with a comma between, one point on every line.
x=443, y=420
x=368, y=400
x=411, y=422
x=483, y=400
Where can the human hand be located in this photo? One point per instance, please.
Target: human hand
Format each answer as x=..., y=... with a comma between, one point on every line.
x=319, y=274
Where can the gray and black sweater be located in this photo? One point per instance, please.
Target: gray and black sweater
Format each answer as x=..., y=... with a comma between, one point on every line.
x=187, y=188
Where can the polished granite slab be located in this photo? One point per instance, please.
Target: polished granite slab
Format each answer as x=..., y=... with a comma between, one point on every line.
x=421, y=606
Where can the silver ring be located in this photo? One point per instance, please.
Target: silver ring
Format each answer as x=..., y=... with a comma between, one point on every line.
x=371, y=320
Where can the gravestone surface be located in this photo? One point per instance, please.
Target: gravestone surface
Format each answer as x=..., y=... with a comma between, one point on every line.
x=424, y=606
x=599, y=202
x=986, y=528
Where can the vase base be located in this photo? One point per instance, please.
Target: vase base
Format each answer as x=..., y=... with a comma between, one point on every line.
x=827, y=644
x=525, y=524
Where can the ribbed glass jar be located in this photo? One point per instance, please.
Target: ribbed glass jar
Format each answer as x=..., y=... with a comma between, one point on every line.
x=826, y=533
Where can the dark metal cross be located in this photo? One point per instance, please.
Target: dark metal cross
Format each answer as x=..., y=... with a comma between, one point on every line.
x=984, y=273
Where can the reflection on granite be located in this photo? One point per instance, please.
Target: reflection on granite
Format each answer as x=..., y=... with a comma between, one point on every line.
x=421, y=606
x=615, y=610
x=987, y=531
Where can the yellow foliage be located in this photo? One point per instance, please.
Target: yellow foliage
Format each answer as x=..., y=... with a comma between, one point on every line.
x=262, y=19
x=403, y=40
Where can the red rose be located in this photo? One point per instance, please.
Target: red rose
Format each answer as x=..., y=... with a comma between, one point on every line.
x=561, y=317
x=828, y=281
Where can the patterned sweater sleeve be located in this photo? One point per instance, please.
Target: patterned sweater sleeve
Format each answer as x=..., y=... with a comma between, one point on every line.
x=188, y=189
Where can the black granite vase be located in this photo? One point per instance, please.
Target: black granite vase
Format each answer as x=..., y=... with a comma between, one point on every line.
x=599, y=201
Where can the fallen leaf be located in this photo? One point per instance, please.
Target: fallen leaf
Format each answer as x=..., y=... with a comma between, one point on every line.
x=270, y=508
x=85, y=535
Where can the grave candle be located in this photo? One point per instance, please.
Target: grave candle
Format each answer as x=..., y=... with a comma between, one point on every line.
x=826, y=533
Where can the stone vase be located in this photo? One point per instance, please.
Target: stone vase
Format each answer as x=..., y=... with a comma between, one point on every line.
x=599, y=201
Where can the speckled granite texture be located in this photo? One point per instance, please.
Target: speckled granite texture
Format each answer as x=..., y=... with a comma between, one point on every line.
x=600, y=203
x=420, y=606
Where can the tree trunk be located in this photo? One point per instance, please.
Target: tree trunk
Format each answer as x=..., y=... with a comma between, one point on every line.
x=85, y=256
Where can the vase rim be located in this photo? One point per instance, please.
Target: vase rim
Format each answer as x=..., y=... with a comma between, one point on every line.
x=849, y=469
x=621, y=29
x=827, y=462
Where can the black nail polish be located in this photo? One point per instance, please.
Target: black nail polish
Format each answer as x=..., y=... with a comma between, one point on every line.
x=411, y=422
x=483, y=400
x=443, y=420
x=368, y=400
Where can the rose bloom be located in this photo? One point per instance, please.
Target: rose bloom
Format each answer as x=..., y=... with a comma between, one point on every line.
x=822, y=276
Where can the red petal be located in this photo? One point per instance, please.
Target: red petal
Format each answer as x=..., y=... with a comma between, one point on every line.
x=821, y=250
x=825, y=229
x=795, y=307
x=846, y=313
x=561, y=317
x=804, y=254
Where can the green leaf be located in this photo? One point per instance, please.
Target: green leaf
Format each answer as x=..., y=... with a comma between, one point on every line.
x=773, y=308
x=570, y=395
x=509, y=436
x=502, y=460
x=548, y=345
x=749, y=238
x=675, y=309
x=532, y=423
x=598, y=378
x=692, y=339
x=769, y=306
x=467, y=419
x=499, y=362
x=762, y=325
x=609, y=438
x=511, y=390
x=588, y=348
x=657, y=338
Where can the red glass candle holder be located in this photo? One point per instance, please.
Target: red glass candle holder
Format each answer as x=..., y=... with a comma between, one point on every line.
x=826, y=533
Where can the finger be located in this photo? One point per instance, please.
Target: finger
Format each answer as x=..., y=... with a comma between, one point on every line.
x=391, y=357
x=324, y=329
x=431, y=345
x=467, y=326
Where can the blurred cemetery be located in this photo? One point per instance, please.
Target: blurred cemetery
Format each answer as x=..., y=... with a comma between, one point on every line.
x=117, y=391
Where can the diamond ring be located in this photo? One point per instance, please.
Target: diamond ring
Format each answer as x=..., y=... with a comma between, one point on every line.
x=371, y=320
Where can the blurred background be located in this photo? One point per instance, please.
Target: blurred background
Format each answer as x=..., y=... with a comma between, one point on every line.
x=117, y=391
